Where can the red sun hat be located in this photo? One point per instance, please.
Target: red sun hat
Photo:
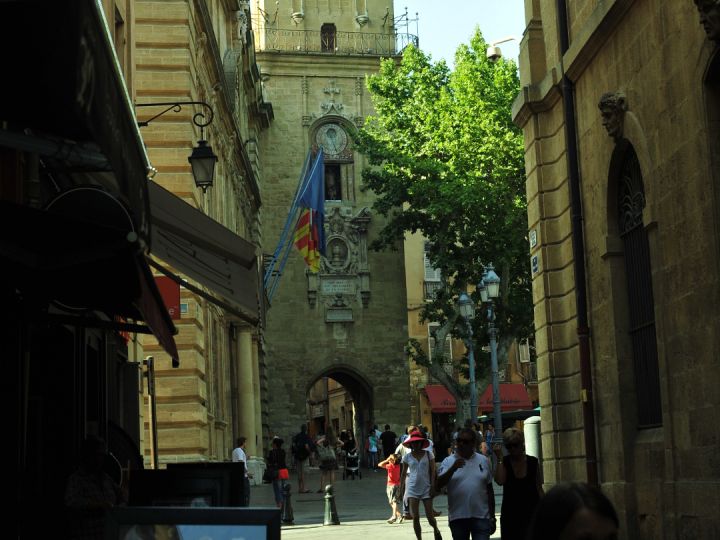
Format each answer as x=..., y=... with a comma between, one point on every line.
x=416, y=436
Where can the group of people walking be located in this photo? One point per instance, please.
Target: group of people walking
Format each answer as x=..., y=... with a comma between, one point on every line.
x=568, y=511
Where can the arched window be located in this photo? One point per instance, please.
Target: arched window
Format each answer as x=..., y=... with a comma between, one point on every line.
x=327, y=37
x=631, y=202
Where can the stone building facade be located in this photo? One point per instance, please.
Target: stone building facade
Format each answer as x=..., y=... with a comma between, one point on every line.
x=623, y=190
x=349, y=321
x=202, y=51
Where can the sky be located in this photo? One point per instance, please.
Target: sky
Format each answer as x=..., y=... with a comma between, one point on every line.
x=442, y=25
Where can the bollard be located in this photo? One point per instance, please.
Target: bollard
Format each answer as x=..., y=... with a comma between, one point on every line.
x=331, y=515
x=286, y=514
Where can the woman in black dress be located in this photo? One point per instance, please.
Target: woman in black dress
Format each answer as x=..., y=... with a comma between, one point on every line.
x=521, y=478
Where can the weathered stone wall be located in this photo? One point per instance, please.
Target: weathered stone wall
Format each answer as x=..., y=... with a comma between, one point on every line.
x=301, y=346
x=665, y=481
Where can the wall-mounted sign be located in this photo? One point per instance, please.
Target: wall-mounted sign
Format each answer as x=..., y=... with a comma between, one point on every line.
x=533, y=238
x=535, y=264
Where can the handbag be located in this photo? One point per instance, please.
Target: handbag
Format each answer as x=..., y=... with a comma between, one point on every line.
x=283, y=474
x=269, y=475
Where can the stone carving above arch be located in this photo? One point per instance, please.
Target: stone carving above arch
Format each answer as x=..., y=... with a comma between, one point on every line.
x=710, y=18
x=613, y=106
x=344, y=273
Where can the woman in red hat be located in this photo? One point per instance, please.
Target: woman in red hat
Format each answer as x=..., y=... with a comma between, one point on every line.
x=416, y=481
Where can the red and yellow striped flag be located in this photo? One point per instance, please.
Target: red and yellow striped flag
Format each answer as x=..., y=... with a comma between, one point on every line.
x=307, y=239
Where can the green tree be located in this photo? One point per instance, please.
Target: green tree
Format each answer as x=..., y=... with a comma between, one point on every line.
x=446, y=160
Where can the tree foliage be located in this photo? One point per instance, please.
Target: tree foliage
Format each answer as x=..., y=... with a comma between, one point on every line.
x=446, y=160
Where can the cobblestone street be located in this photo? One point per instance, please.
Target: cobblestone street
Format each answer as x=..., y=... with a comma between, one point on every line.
x=361, y=505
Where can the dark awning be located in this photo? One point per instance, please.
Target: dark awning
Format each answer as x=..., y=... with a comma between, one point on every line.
x=205, y=251
x=67, y=92
x=81, y=265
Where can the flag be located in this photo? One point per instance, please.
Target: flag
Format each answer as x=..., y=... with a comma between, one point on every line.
x=310, y=230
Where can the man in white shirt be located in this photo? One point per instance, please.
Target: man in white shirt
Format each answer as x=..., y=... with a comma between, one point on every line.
x=239, y=455
x=471, y=500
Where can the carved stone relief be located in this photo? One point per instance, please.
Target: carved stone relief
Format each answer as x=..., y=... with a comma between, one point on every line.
x=710, y=18
x=613, y=106
x=331, y=106
x=344, y=277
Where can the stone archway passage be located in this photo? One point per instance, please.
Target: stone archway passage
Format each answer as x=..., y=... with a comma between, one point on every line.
x=341, y=398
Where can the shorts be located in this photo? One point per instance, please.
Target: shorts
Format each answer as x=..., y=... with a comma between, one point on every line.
x=392, y=494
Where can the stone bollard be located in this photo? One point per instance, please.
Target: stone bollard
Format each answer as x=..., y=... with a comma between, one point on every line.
x=331, y=515
x=286, y=514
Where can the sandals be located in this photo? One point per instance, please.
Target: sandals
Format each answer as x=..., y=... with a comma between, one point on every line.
x=392, y=520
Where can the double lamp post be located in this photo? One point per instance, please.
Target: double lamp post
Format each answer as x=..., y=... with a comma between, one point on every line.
x=489, y=288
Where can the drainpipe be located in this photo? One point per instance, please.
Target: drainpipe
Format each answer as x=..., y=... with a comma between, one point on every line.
x=578, y=248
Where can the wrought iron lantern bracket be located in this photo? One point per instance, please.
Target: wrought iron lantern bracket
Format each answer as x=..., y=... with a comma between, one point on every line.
x=199, y=118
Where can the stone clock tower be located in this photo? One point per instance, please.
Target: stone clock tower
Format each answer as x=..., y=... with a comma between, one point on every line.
x=347, y=323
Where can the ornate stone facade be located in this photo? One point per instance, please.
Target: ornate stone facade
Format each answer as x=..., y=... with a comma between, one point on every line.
x=347, y=322
x=650, y=199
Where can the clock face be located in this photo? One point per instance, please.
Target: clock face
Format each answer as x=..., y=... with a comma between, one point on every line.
x=332, y=138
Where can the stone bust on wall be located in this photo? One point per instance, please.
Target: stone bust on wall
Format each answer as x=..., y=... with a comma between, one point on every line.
x=612, y=108
x=710, y=18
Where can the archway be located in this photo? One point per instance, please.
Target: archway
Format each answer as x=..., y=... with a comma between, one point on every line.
x=340, y=397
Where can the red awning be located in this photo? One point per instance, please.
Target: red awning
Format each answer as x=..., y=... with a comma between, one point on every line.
x=441, y=400
x=513, y=397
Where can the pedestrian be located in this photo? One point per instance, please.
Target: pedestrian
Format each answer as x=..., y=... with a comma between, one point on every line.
x=372, y=449
x=327, y=462
x=490, y=435
x=388, y=438
x=239, y=455
x=301, y=448
x=350, y=445
x=416, y=482
x=574, y=511
x=392, y=465
x=276, y=463
x=521, y=478
x=471, y=499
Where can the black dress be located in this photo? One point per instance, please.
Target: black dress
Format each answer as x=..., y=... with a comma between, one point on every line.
x=520, y=498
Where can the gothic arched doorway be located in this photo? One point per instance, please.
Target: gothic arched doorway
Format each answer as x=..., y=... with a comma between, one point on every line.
x=341, y=398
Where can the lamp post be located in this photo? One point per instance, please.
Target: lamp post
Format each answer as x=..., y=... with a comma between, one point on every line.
x=467, y=312
x=489, y=288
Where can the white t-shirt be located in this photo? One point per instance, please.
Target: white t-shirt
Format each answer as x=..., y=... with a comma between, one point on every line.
x=467, y=488
x=239, y=455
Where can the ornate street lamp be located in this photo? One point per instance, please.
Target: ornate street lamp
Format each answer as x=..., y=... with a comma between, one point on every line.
x=489, y=288
x=466, y=308
x=202, y=160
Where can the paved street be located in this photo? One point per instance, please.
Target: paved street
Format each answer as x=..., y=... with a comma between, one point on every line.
x=361, y=505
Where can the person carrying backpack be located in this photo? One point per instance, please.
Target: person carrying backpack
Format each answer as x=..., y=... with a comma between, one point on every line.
x=302, y=446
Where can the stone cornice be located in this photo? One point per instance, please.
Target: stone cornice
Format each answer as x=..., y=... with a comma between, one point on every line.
x=535, y=98
x=593, y=34
x=589, y=40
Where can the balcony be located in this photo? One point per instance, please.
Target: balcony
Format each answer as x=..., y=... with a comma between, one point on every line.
x=337, y=44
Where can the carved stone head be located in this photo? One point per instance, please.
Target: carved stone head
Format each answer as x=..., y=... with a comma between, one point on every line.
x=612, y=108
x=710, y=18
